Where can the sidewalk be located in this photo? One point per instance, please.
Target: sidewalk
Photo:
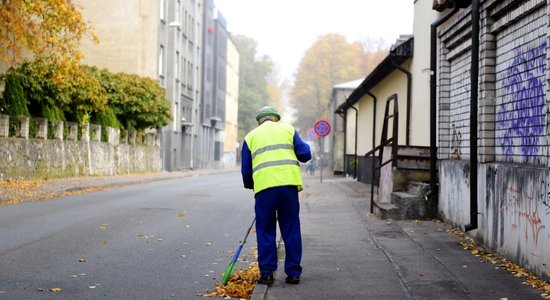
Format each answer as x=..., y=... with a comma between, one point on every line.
x=349, y=254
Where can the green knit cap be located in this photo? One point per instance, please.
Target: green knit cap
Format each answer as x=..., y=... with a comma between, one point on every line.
x=267, y=111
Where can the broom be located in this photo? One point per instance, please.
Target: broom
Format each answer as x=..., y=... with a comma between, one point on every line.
x=231, y=265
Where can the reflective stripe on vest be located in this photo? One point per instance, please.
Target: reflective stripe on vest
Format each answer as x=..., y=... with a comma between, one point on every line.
x=272, y=147
x=274, y=162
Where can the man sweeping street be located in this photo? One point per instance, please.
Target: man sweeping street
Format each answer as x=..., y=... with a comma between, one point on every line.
x=270, y=166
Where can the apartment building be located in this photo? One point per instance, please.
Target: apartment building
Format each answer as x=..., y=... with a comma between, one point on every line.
x=231, y=142
x=182, y=43
x=214, y=53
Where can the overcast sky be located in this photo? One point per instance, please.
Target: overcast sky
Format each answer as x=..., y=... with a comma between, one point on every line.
x=285, y=29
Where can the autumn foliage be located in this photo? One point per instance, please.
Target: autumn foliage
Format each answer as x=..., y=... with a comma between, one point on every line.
x=48, y=30
x=118, y=100
x=329, y=61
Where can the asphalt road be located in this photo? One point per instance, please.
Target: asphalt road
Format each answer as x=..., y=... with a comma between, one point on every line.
x=168, y=239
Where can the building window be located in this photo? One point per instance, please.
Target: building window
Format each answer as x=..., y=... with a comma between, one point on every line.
x=161, y=65
x=178, y=12
x=175, y=113
x=190, y=74
x=177, y=65
x=183, y=79
x=161, y=10
x=184, y=22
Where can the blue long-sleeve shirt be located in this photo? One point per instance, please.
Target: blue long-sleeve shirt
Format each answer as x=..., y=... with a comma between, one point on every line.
x=301, y=149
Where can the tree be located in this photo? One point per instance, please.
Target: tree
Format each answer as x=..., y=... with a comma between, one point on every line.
x=50, y=30
x=331, y=60
x=253, y=90
x=138, y=103
x=13, y=101
x=376, y=50
x=116, y=100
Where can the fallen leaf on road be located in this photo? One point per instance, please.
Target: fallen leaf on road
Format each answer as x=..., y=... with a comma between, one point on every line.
x=82, y=260
x=55, y=290
x=103, y=226
x=208, y=244
x=182, y=214
x=73, y=276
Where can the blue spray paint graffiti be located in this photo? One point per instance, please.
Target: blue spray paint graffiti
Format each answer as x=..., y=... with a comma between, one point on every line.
x=522, y=118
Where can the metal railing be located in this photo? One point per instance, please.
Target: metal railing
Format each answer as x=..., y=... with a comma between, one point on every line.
x=384, y=141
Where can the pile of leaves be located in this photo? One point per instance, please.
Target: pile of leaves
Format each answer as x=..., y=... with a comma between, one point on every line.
x=485, y=255
x=240, y=284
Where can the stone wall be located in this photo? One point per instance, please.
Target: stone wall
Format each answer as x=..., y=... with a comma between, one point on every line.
x=22, y=157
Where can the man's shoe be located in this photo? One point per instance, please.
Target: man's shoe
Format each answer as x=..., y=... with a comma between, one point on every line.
x=292, y=280
x=266, y=279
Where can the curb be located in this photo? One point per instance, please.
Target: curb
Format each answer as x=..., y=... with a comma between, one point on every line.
x=260, y=290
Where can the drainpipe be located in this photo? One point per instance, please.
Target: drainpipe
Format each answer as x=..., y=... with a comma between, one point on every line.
x=432, y=193
x=409, y=88
x=473, y=117
x=355, y=143
x=341, y=114
x=345, y=112
x=373, y=120
x=373, y=162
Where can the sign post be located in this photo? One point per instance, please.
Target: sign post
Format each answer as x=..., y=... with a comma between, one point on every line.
x=322, y=129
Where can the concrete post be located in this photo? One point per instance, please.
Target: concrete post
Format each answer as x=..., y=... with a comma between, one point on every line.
x=42, y=132
x=24, y=127
x=86, y=132
x=132, y=137
x=58, y=127
x=4, y=125
x=73, y=131
x=125, y=137
x=150, y=139
x=113, y=135
x=96, y=130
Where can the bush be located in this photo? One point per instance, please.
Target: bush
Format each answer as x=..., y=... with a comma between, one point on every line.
x=118, y=100
x=13, y=101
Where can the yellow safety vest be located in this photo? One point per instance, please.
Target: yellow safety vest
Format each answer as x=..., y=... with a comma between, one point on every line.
x=274, y=162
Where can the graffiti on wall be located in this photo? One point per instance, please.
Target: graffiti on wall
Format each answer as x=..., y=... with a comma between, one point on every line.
x=456, y=141
x=521, y=118
x=523, y=213
x=544, y=196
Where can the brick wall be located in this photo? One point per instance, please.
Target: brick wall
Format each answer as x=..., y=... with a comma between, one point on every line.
x=513, y=190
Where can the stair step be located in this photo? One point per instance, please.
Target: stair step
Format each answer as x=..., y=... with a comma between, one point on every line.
x=414, y=151
x=413, y=164
x=410, y=206
x=385, y=210
x=417, y=187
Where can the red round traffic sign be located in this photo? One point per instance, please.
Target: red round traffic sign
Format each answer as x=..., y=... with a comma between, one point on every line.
x=322, y=128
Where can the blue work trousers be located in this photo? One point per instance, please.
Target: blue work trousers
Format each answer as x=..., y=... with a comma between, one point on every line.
x=278, y=203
